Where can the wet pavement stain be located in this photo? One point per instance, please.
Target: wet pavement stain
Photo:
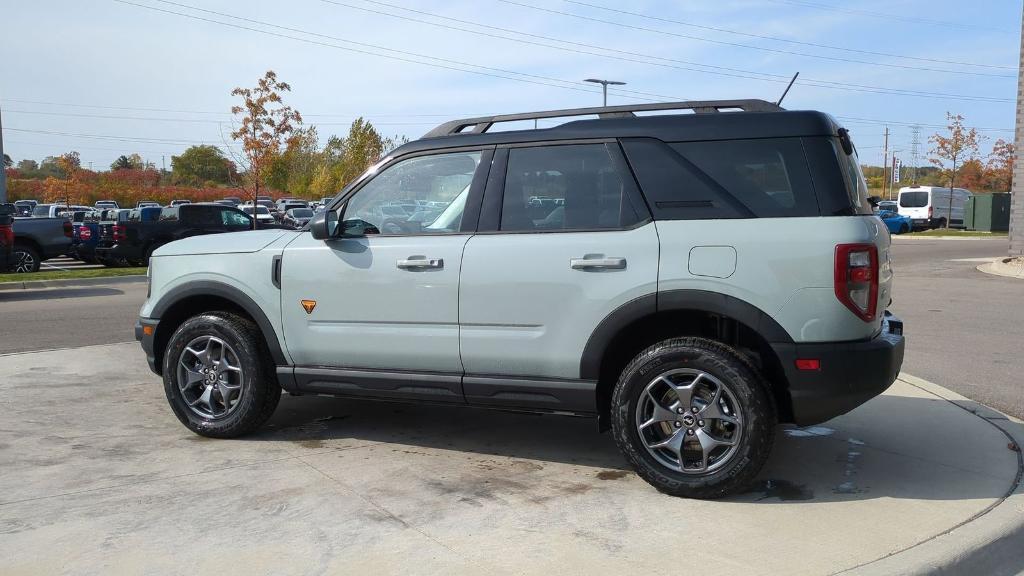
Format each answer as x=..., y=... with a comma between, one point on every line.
x=313, y=444
x=612, y=474
x=850, y=468
x=784, y=490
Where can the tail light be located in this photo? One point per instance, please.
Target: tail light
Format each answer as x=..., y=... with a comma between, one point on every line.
x=118, y=233
x=68, y=229
x=7, y=235
x=856, y=279
x=84, y=234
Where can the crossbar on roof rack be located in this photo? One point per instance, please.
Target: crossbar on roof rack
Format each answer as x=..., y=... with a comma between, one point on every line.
x=483, y=123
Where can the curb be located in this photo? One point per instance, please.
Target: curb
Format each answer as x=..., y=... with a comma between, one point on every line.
x=916, y=238
x=990, y=542
x=62, y=283
x=1001, y=267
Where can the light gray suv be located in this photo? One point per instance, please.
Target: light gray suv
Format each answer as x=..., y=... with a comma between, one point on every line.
x=690, y=280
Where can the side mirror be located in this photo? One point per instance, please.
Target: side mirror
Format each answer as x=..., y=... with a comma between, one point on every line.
x=324, y=225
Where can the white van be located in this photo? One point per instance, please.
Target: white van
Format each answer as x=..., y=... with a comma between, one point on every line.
x=929, y=206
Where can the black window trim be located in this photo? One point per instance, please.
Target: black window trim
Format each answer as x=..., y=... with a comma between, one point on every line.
x=470, y=214
x=494, y=194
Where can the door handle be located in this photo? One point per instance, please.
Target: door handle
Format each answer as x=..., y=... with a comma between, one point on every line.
x=590, y=263
x=418, y=263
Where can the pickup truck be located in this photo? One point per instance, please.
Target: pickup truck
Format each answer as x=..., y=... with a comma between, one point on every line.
x=38, y=239
x=7, y=212
x=134, y=240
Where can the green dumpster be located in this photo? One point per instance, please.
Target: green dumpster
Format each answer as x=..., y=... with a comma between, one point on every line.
x=988, y=212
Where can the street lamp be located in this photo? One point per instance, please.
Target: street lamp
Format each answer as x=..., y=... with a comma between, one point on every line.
x=604, y=86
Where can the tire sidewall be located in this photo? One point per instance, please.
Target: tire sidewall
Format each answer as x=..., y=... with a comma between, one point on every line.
x=754, y=407
x=253, y=383
x=30, y=253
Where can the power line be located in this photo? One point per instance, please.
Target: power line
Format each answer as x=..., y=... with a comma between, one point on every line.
x=407, y=56
x=787, y=40
x=109, y=117
x=749, y=46
x=109, y=137
x=889, y=16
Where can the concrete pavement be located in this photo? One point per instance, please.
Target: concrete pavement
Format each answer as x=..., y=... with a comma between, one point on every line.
x=100, y=478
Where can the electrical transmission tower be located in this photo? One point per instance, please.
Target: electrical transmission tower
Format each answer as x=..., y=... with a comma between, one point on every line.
x=915, y=151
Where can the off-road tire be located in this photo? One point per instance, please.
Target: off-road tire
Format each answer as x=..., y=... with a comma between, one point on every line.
x=261, y=391
x=755, y=407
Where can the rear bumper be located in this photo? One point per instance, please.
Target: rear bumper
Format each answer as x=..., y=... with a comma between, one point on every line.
x=118, y=251
x=850, y=374
x=145, y=331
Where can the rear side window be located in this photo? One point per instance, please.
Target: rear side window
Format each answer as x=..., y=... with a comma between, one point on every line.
x=767, y=176
x=570, y=187
x=169, y=214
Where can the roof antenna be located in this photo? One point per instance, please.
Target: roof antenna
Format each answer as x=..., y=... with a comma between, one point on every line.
x=786, y=91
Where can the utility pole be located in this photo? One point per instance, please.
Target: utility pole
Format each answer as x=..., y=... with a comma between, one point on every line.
x=604, y=86
x=3, y=171
x=1017, y=187
x=885, y=162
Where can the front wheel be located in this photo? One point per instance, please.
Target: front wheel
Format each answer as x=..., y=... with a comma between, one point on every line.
x=693, y=417
x=903, y=229
x=217, y=375
x=26, y=259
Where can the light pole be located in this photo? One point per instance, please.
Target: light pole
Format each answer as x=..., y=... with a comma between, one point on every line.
x=604, y=86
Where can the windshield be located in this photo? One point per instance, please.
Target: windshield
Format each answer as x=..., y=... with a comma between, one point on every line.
x=913, y=199
x=302, y=213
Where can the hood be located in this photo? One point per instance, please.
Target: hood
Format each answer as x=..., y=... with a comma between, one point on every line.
x=230, y=243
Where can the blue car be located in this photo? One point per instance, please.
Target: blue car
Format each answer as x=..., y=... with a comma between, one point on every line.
x=894, y=222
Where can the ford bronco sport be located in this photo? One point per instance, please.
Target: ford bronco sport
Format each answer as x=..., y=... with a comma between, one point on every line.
x=689, y=279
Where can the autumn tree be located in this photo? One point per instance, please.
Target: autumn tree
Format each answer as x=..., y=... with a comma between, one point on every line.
x=999, y=166
x=952, y=149
x=65, y=190
x=344, y=159
x=265, y=124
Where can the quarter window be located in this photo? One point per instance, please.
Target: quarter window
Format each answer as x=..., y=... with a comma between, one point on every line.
x=571, y=187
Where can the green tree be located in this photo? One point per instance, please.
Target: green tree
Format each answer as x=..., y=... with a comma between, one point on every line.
x=28, y=167
x=123, y=162
x=198, y=165
x=7, y=161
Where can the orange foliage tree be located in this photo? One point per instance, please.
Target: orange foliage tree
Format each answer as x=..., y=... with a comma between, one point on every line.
x=958, y=146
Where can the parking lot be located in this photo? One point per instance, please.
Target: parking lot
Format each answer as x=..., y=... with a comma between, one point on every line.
x=96, y=465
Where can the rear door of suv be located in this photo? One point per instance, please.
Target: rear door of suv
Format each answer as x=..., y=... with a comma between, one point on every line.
x=564, y=239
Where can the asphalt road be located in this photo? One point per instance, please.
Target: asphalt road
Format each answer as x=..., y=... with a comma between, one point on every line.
x=965, y=329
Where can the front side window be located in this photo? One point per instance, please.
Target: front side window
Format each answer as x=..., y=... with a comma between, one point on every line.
x=232, y=218
x=422, y=195
x=571, y=187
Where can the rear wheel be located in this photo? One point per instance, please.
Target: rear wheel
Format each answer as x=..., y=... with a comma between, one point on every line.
x=26, y=259
x=218, y=377
x=903, y=229
x=693, y=417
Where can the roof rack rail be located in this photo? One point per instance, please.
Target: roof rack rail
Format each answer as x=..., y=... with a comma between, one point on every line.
x=483, y=123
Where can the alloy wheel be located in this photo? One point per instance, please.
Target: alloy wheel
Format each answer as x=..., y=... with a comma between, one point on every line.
x=210, y=377
x=24, y=261
x=689, y=421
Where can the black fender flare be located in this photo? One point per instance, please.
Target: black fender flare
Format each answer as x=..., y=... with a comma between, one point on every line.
x=232, y=294
x=673, y=300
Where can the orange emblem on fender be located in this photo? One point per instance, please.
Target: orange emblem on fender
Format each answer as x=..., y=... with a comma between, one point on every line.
x=309, y=305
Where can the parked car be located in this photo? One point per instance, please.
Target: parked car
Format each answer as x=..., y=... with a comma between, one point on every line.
x=234, y=200
x=106, y=205
x=263, y=215
x=147, y=204
x=283, y=207
x=930, y=206
x=135, y=240
x=24, y=207
x=297, y=217
x=7, y=213
x=39, y=238
x=896, y=223
x=678, y=303
x=890, y=205
x=82, y=238
x=179, y=202
x=56, y=210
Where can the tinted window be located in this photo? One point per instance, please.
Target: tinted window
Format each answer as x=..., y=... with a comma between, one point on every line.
x=301, y=213
x=913, y=199
x=169, y=215
x=422, y=195
x=575, y=187
x=768, y=176
x=41, y=210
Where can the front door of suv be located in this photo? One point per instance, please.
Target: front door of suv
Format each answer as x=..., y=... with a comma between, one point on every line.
x=377, y=315
x=564, y=239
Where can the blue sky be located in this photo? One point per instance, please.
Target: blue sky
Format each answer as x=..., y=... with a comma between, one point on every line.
x=108, y=77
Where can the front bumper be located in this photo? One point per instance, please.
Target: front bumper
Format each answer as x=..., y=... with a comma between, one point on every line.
x=850, y=373
x=145, y=332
